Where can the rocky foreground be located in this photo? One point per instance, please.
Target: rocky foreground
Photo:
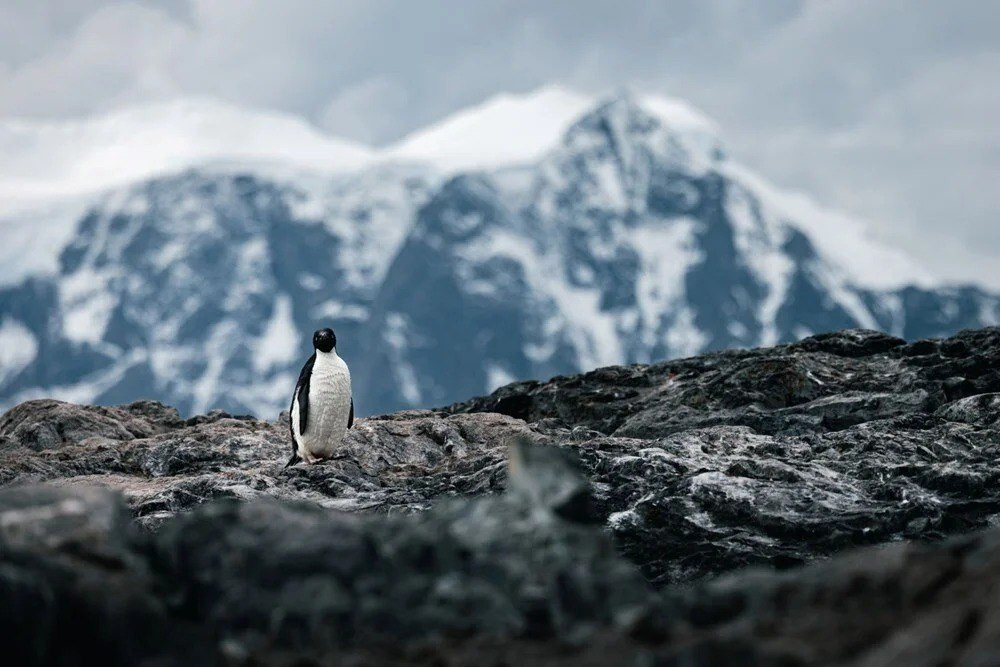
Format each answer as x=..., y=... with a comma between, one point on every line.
x=605, y=518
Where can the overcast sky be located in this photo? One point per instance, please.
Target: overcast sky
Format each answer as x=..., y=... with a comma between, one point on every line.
x=884, y=108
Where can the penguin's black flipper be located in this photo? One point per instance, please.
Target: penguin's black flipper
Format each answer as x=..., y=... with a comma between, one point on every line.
x=350, y=418
x=302, y=393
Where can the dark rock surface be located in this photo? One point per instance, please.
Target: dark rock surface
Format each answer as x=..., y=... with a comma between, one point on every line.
x=693, y=469
x=165, y=465
x=780, y=455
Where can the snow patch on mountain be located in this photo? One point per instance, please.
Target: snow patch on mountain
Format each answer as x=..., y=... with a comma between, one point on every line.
x=503, y=130
x=667, y=251
x=34, y=235
x=278, y=344
x=18, y=347
x=398, y=337
x=841, y=239
x=86, y=303
x=510, y=129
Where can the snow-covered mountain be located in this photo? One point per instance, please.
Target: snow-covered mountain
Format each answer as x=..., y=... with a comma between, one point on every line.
x=525, y=237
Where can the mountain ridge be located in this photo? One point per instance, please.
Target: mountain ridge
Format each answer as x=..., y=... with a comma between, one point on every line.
x=631, y=240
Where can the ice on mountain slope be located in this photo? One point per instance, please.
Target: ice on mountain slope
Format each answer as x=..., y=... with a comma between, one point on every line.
x=86, y=300
x=759, y=238
x=666, y=250
x=277, y=343
x=506, y=129
x=369, y=212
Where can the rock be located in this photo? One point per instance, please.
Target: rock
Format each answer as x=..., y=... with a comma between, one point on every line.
x=47, y=424
x=76, y=590
x=163, y=466
x=978, y=410
x=900, y=605
x=697, y=468
x=502, y=580
x=271, y=578
x=772, y=390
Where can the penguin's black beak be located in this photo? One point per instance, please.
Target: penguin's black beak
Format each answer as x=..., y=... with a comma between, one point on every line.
x=324, y=340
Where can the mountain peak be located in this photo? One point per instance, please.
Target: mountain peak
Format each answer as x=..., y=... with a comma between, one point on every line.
x=46, y=158
x=505, y=129
x=510, y=129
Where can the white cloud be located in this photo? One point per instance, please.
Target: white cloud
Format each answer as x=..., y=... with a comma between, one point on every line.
x=117, y=54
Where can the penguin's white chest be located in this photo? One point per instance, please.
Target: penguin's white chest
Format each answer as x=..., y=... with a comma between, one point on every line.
x=329, y=408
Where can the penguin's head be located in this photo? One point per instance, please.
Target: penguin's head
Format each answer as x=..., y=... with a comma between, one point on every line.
x=324, y=340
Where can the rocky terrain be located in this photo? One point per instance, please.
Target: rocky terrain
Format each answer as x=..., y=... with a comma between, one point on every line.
x=702, y=511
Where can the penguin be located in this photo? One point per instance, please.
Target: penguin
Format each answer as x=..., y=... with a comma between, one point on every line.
x=322, y=405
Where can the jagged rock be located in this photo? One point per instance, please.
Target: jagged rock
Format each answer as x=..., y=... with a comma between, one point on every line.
x=698, y=467
x=502, y=580
x=780, y=455
x=978, y=410
x=165, y=465
x=47, y=424
x=819, y=384
x=901, y=605
x=264, y=579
